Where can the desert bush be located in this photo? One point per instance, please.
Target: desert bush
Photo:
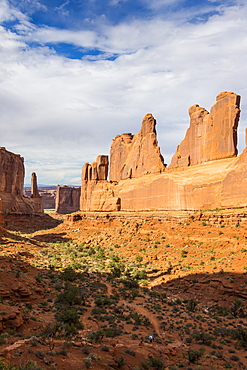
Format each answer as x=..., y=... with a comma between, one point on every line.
x=119, y=361
x=153, y=363
x=130, y=351
x=193, y=355
x=85, y=350
x=69, y=274
x=203, y=337
x=3, y=338
x=191, y=305
x=95, y=336
x=71, y=296
x=69, y=320
x=105, y=348
x=237, y=308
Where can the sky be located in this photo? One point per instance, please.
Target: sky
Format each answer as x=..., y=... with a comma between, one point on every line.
x=76, y=73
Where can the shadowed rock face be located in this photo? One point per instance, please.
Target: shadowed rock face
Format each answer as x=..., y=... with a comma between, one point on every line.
x=34, y=186
x=12, y=172
x=211, y=135
x=67, y=199
x=11, y=185
x=133, y=156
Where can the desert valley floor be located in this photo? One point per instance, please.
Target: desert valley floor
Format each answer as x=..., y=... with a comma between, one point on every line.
x=88, y=289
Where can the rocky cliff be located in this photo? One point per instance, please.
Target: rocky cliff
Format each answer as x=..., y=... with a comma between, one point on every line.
x=67, y=199
x=96, y=191
x=211, y=135
x=133, y=156
x=205, y=172
x=11, y=185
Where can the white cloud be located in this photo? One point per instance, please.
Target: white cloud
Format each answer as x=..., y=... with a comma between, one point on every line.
x=59, y=113
x=61, y=8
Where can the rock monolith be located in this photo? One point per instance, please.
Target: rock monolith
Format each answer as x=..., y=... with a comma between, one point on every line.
x=211, y=135
x=133, y=156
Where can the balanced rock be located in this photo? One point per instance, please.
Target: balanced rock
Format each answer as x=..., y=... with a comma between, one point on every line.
x=211, y=135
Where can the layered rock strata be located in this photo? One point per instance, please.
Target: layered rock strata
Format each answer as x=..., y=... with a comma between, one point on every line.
x=133, y=156
x=96, y=191
x=11, y=185
x=67, y=199
x=204, y=173
x=211, y=135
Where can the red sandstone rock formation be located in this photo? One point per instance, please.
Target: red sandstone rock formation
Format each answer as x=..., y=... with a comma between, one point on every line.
x=133, y=156
x=67, y=199
x=34, y=186
x=211, y=135
x=96, y=191
x=212, y=175
x=11, y=185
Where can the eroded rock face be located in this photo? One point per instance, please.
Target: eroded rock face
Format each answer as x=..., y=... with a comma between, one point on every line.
x=96, y=192
x=12, y=172
x=34, y=186
x=211, y=135
x=11, y=185
x=133, y=156
x=67, y=199
x=204, y=174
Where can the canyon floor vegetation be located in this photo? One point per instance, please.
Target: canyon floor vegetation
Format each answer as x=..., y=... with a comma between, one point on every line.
x=88, y=290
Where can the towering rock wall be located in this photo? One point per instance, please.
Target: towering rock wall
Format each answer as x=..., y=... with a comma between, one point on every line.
x=211, y=135
x=133, y=156
x=96, y=191
x=212, y=176
x=11, y=185
x=67, y=199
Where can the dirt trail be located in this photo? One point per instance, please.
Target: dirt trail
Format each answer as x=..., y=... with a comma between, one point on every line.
x=152, y=318
x=141, y=310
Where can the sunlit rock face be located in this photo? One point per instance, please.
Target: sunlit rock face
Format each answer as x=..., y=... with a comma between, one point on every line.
x=211, y=135
x=205, y=172
x=133, y=156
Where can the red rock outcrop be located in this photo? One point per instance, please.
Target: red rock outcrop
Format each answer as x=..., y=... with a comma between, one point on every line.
x=11, y=185
x=211, y=135
x=96, y=191
x=133, y=156
x=212, y=176
x=67, y=199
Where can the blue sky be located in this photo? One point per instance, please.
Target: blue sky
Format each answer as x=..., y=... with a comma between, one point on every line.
x=74, y=74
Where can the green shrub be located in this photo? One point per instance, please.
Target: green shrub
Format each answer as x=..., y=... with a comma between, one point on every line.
x=154, y=363
x=193, y=355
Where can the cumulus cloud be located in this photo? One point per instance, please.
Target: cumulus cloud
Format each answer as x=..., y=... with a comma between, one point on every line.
x=59, y=113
